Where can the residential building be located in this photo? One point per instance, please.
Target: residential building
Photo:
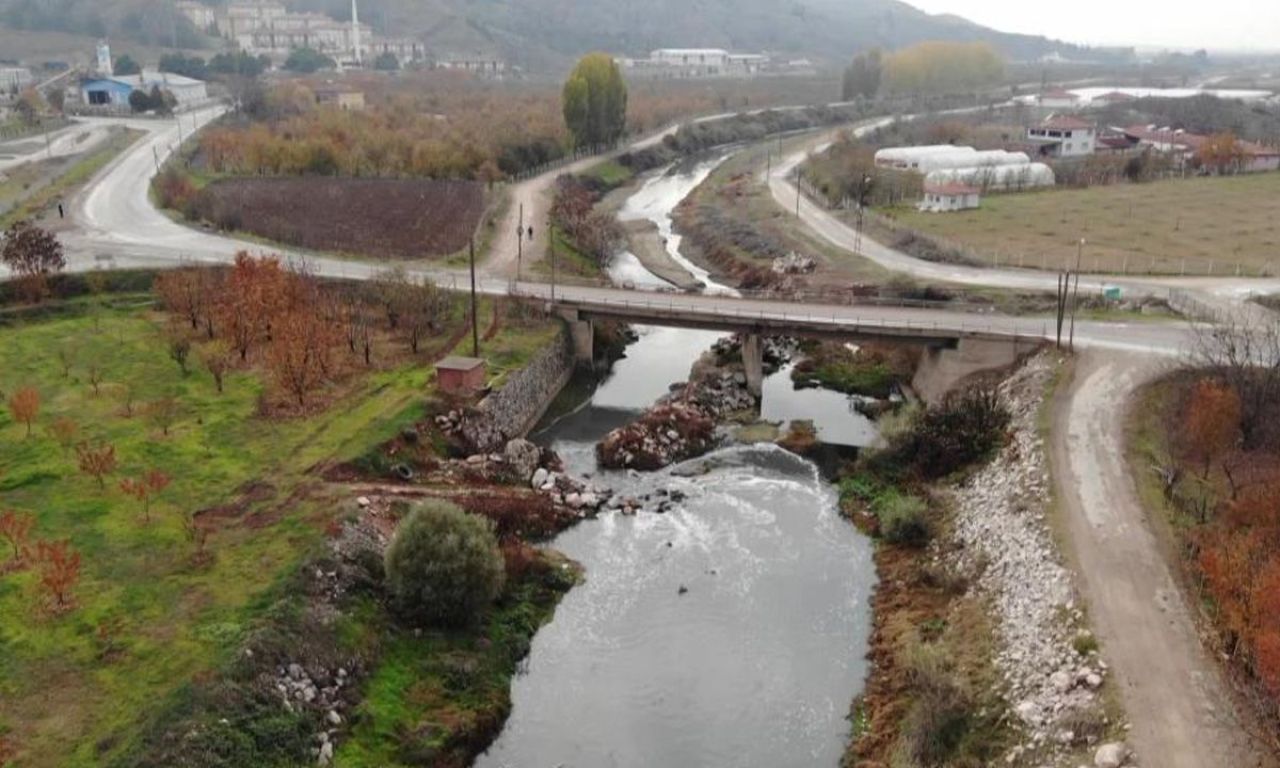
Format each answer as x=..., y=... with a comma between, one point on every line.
x=939, y=198
x=200, y=15
x=1064, y=136
x=14, y=80
x=1057, y=98
x=342, y=98
x=677, y=63
x=479, y=64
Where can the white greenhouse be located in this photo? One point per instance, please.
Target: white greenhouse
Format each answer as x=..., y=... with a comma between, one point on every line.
x=1008, y=178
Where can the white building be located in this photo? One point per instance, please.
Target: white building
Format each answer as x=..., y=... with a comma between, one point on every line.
x=112, y=93
x=14, y=80
x=1064, y=136
x=939, y=198
x=1058, y=98
x=677, y=63
x=200, y=15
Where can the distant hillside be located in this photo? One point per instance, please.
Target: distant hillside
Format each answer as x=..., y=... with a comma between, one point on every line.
x=541, y=33
x=547, y=34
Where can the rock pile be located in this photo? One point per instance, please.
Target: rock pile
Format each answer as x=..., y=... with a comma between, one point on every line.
x=1001, y=527
x=794, y=264
x=319, y=690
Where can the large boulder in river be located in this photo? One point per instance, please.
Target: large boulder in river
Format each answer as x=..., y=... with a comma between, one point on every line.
x=523, y=457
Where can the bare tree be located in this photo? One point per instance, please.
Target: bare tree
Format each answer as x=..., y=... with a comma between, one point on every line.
x=1244, y=349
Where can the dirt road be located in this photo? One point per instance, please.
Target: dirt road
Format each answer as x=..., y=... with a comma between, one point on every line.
x=1173, y=693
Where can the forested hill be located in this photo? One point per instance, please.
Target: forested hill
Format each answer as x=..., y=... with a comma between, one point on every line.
x=546, y=34
x=544, y=30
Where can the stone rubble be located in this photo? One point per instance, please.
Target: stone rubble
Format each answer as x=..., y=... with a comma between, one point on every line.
x=1002, y=534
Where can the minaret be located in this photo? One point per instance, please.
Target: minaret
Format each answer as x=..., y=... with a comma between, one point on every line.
x=355, y=30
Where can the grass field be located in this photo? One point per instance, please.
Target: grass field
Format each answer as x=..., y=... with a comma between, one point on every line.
x=1197, y=226
x=148, y=616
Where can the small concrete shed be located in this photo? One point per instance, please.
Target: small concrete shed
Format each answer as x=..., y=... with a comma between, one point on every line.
x=460, y=375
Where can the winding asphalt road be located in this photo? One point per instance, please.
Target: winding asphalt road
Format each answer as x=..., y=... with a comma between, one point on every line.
x=1172, y=692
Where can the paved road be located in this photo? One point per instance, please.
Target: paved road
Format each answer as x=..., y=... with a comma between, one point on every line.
x=1221, y=292
x=1181, y=708
x=72, y=140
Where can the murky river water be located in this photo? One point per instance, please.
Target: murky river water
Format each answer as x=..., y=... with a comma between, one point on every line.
x=729, y=631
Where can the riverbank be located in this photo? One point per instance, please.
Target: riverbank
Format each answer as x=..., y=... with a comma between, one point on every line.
x=981, y=647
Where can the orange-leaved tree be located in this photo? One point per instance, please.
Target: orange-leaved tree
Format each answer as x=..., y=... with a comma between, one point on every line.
x=63, y=430
x=59, y=570
x=97, y=461
x=15, y=528
x=1211, y=430
x=24, y=406
x=144, y=489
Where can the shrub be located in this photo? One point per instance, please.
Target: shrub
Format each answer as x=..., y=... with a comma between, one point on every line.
x=444, y=565
x=964, y=429
x=941, y=712
x=903, y=520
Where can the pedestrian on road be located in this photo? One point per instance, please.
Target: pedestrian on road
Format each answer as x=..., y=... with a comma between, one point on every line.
x=61, y=215
x=531, y=233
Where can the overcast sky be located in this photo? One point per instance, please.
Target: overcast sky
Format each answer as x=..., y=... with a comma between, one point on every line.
x=1236, y=24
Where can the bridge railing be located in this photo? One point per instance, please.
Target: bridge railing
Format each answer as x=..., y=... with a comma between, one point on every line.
x=739, y=308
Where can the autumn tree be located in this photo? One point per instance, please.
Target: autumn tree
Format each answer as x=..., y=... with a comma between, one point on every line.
x=32, y=254
x=254, y=293
x=15, y=528
x=24, y=406
x=96, y=461
x=182, y=292
x=295, y=355
x=145, y=488
x=942, y=67
x=63, y=431
x=1211, y=427
x=216, y=358
x=59, y=566
x=594, y=101
x=1221, y=153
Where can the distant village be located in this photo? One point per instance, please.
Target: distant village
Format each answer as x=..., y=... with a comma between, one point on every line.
x=956, y=177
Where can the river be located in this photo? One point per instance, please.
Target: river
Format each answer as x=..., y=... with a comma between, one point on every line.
x=729, y=631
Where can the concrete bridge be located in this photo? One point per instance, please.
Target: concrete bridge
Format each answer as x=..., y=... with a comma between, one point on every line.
x=954, y=341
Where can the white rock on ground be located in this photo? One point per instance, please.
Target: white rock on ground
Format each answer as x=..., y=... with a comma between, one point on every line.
x=1000, y=523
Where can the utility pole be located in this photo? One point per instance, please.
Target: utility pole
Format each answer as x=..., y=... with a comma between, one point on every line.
x=48, y=144
x=155, y=155
x=520, y=242
x=475, y=329
x=1075, y=298
x=797, y=191
x=551, y=235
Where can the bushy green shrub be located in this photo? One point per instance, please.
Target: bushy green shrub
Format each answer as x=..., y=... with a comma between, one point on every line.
x=903, y=519
x=443, y=566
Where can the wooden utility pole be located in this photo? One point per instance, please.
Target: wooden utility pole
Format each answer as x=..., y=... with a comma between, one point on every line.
x=1075, y=299
x=520, y=243
x=475, y=329
x=797, y=191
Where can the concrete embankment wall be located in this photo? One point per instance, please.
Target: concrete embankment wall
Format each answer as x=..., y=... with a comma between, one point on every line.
x=942, y=369
x=514, y=409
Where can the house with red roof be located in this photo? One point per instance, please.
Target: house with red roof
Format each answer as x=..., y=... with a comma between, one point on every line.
x=1063, y=136
x=950, y=196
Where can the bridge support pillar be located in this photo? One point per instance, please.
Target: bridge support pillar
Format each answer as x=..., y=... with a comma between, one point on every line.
x=583, y=335
x=753, y=362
